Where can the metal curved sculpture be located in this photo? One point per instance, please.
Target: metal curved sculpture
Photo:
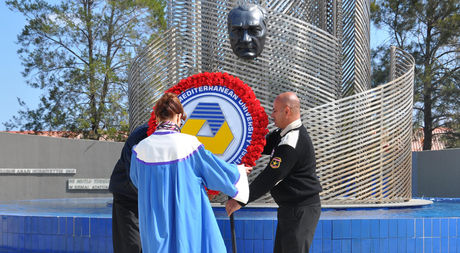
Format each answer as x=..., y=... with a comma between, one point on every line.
x=356, y=66
x=362, y=141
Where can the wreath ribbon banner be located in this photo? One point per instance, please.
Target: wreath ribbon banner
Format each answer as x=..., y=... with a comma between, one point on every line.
x=239, y=101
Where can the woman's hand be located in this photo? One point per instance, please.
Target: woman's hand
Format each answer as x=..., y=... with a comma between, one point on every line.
x=232, y=206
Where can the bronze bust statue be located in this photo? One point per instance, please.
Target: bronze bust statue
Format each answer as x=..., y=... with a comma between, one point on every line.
x=247, y=30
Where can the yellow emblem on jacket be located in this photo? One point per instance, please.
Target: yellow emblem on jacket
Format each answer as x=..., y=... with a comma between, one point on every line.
x=275, y=162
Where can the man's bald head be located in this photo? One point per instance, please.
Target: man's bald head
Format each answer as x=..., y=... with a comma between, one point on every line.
x=291, y=100
x=286, y=109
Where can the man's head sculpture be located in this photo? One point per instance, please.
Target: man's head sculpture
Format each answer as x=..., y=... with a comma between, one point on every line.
x=247, y=30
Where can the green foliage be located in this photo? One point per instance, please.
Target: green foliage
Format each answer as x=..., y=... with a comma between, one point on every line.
x=380, y=65
x=430, y=31
x=79, y=52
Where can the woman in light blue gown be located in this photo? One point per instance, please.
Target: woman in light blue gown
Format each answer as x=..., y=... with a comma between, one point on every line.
x=171, y=170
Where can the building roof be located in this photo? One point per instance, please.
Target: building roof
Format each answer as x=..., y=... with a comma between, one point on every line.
x=436, y=142
x=61, y=134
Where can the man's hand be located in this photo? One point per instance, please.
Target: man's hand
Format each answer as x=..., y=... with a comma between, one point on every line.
x=248, y=170
x=232, y=206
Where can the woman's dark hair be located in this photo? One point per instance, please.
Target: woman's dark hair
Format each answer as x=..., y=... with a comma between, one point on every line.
x=167, y=106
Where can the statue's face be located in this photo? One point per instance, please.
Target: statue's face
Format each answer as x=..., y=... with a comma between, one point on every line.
x=247, y=32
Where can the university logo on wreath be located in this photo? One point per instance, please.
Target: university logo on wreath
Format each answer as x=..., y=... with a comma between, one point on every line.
x=225, y=115
x=219, y=119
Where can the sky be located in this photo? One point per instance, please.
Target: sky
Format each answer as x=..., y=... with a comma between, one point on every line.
x=13, y=84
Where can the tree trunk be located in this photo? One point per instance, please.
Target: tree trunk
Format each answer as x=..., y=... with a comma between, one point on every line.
x=108, y=64
x=427, y=92
x=94, y=124
x=428, y=122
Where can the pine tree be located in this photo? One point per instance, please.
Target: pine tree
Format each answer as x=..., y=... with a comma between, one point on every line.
x=430, y=31
x=78, y=52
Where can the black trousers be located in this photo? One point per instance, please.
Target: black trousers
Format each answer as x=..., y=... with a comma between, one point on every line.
x=296, y=228
x=125, y=227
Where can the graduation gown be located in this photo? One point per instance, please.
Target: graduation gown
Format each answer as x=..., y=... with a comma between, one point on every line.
x=170, y=170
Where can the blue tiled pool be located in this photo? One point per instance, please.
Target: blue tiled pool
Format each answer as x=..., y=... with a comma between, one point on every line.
x=84, y=225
